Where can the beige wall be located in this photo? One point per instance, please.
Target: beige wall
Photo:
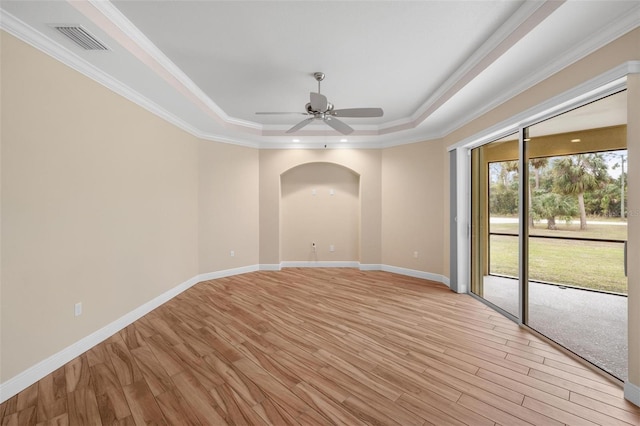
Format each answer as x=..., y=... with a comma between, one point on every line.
x=320, y=203
x=104, y=203
x=228, y=206
x=366, y=163
x=633, y=221
x=413, y=206
x=99, y=206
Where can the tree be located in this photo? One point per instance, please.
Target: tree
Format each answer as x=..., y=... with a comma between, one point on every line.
x=503, y=200
x=538, y=164
x=511, y=166
x=604, y=201
x=622, y=180
x=503, y=190
x=576, y=174
x=549, y=205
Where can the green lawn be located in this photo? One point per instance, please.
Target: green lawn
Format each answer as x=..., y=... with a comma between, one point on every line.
x=595, y=265
x=607, y=232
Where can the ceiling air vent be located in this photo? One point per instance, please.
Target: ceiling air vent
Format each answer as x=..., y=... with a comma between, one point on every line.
x=81, y=37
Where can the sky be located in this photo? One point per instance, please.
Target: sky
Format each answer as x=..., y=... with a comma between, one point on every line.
x=614, y=157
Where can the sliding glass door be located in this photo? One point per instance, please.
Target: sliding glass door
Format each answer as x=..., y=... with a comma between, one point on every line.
x=576, y=281
x=549, y=229
x=495, y=224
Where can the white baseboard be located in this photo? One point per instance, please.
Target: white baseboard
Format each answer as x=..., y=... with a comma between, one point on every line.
x=228, y=273
x=47, y=366
x=370, y=267
x=270, y=267
x=31, y=375
x=632, y=393
x=416, y=274
x=320, y=264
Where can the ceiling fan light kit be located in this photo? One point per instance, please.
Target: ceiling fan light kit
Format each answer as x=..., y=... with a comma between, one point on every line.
x=319, y=108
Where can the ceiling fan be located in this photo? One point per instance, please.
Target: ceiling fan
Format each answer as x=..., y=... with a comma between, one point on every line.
x=319, y=108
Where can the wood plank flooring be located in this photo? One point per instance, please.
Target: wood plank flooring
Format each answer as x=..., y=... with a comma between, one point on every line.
x=318, y=347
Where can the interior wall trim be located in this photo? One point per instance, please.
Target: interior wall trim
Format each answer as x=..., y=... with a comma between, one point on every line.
x=632, y=393
x=321, y=264
x=624, y=24
x=29, y=35
x=370, y=267
x=227, y=273
x=31, y=375
x=416, y=274
x=38, y=40
x=606, y=83
x=269, y=267
x=36, y=372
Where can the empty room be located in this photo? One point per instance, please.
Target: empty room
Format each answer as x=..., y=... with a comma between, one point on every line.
x=320, y=212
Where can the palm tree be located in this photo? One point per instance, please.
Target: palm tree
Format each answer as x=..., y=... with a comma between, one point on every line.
x=549, y=205
x=506, y=168
x=576, y=174
x=538, y=164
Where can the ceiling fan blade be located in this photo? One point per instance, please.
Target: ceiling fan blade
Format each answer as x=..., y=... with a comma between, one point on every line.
x=358, y=112
x=338, y=125
x=280, y=113
x=300, y=125
x=319, y=102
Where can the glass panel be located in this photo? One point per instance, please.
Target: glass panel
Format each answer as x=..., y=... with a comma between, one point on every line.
x=495, y=223
x=577, y=229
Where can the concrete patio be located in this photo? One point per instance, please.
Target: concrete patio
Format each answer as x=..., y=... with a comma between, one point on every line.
x=591, y=324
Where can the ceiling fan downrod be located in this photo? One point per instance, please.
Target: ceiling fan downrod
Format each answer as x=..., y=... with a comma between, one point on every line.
x=319, y=76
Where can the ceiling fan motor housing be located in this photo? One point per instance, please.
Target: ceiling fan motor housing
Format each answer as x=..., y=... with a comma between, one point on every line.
x=310, y=110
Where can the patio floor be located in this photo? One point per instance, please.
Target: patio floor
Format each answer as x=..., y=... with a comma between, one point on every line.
x=591, y=324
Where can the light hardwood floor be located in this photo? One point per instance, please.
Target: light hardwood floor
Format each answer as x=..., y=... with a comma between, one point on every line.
x=317, y=347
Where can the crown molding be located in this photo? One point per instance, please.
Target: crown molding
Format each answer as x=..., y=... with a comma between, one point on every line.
x=526, y=18
x=492, y=48
x=36, y=39
x=623, y=24
x=119, y=27
x=137, y=37
x=254, y=135
x=602, y=85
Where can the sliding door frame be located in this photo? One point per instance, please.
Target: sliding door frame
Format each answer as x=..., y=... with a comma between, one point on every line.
x=600, y=87
x=523, y=217
x=463, y=192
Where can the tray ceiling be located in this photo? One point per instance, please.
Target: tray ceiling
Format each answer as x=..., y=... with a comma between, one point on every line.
x=433, y=66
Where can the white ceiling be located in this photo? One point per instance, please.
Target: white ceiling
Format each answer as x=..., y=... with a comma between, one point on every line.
x=433, y=66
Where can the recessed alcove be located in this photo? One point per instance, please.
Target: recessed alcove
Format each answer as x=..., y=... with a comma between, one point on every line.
x=319, y=203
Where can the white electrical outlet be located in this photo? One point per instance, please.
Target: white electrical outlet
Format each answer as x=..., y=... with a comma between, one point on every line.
x=415, y=254
x=77, y=309
x=232, y=253
x=332, y=248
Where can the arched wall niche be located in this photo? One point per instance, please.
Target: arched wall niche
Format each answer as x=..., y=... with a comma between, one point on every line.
x=319, y=204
